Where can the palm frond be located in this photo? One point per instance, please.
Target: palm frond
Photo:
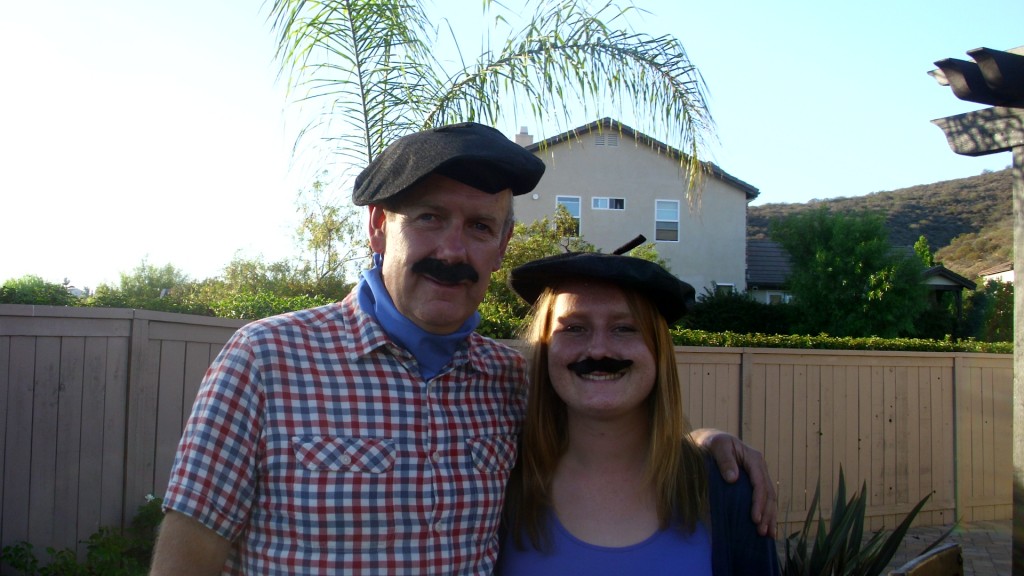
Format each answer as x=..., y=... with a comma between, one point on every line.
x=567, y=56
x=364, y=62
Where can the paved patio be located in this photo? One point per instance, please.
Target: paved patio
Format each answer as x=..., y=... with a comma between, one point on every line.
x=986, y=546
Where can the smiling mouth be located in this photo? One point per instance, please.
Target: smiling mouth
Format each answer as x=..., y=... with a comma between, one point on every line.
x=601, y=376
x=600, y=369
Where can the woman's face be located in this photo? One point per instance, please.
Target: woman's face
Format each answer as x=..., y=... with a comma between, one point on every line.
x=592, y=323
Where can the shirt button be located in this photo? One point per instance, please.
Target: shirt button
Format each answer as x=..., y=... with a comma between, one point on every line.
x=346, y=459
x=436, y=457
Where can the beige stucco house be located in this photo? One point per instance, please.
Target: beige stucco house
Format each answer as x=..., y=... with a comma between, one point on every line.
x=619, y=183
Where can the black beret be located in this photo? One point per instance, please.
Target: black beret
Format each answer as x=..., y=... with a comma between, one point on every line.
x=669, y=294
x=471, y=153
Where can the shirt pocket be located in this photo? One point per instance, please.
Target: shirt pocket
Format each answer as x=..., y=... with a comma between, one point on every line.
x=345, y=491
x=370, y=455
x=493, y=453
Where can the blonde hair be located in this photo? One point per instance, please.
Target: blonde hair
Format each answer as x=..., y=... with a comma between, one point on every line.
x=675, y=465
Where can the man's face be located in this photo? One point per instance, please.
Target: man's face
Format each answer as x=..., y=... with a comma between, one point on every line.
x=440, y=245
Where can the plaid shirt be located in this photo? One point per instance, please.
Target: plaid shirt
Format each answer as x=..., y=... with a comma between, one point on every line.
x=317, y=449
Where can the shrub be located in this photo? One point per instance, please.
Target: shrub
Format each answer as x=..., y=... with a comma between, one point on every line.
x=738, y=312
x=989, y=312
x=110, y=551
x=253, y=306
x=684, y=337
x=34, y=290
x=838, y=548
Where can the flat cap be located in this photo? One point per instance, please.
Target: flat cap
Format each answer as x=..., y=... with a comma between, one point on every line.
x=670, y=295
x=471, y=153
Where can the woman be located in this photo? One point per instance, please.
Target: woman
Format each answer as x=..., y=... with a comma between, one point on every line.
x=608, y=480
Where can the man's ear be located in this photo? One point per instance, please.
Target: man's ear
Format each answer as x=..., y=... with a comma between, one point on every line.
x=377, y=224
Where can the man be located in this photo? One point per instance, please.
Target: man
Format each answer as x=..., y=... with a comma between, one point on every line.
x=374, y=435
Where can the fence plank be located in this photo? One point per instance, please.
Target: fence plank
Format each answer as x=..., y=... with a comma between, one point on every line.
x=115, y=443
x=143, y=402
x=198, y=356
x=46, y=385
x=814, y=431
x=5, y=400
x=90, y=472
x=1003, y=426
x=727, y=403
x=831, y=427
x=18, y=449
x=69, y=432
x=170, y=405
x=799, y=419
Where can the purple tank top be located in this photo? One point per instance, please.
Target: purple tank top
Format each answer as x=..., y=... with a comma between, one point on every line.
x=670, y=551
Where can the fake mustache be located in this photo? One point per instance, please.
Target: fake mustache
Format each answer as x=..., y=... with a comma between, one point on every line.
x=446, y=273
x=588, y=365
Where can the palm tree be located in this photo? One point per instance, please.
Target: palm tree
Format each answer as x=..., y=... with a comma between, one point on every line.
x=369, y=64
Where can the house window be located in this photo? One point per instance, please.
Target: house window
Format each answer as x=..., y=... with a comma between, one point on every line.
x=572, y=204
x=606, y=139
x=666, y=220
x=601, y=203
x=724, y=289
x=779, y=297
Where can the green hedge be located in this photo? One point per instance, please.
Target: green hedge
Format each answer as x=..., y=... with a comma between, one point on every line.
x=684, y=337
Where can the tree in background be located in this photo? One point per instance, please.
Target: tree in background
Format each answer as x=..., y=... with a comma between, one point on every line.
x=371, y=64
x=31, y=289
x=846, y=278
x=728, y=311
x=503, y=311
x=924, y=251
x=989, y=312
x=148, y=287
x=333, y=241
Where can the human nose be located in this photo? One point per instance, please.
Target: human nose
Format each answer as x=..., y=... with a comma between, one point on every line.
x=599, y=345
x=452, y=246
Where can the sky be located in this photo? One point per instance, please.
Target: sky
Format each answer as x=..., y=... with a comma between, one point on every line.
x=153, y=131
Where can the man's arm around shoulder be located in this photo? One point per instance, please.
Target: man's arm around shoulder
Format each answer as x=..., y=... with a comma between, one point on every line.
x=184, y=546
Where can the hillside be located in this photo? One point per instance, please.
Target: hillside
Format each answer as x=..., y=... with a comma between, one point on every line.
x=968, y=222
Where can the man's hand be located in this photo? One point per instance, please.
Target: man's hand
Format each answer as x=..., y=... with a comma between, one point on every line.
x=730, y=453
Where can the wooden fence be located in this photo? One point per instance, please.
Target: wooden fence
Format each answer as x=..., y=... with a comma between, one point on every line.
x=92, y=403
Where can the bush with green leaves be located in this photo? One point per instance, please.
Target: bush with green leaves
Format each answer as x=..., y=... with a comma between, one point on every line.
x=253, y=306
x=737, y=312
x=31, y=289
x=989, y=312
x=109, y=551
x=838, y=547
x=685, y=337
x=846, y=277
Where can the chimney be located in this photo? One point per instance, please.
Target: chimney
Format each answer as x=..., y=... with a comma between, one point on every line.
x=523, y=138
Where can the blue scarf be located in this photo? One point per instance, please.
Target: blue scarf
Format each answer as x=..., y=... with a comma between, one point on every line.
x=432, y=351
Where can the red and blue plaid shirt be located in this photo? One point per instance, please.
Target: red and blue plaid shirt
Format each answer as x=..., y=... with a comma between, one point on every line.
x=316, y=448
